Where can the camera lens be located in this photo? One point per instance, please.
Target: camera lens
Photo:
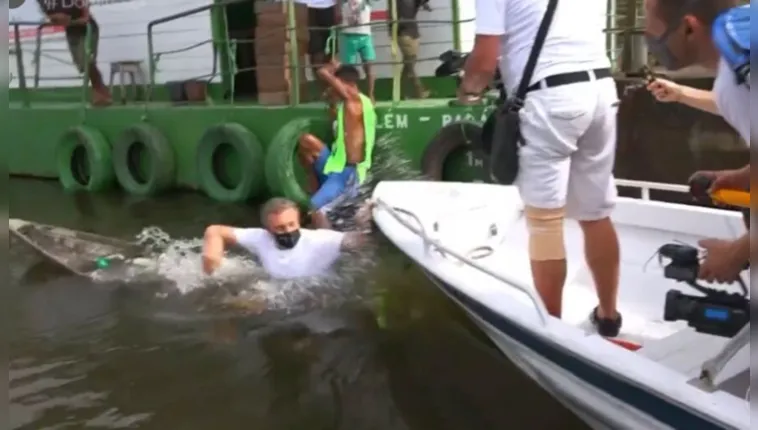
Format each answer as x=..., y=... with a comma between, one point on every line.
x=671, y=308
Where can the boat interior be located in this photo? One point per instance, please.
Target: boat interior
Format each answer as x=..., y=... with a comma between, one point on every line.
x=485, y=224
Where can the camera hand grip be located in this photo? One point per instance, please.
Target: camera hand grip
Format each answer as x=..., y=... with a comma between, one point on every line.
x=699, y=188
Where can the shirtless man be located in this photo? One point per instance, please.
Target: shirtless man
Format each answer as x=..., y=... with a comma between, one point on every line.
x=335, y=174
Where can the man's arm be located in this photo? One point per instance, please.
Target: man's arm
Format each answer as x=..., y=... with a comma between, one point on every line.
x=218, y=237
x=482, y=62
x=357, y=239
x=326, y=73
x=699, y=99
x=215, y=240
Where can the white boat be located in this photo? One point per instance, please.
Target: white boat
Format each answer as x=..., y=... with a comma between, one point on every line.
x=471, y=240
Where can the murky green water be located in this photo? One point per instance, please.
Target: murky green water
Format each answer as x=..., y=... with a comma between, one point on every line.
x=118, y=355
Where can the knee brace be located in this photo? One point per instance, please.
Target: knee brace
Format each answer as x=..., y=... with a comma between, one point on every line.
x=545, y=233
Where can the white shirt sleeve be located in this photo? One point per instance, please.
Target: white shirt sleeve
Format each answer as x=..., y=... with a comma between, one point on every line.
x=250, y=238
x=328, y=244
x=490, y=17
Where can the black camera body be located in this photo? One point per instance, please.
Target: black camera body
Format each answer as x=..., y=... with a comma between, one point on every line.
x=718, y=313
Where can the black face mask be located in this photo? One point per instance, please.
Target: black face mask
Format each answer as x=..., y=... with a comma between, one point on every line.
x=658, y=46
x=287, y=240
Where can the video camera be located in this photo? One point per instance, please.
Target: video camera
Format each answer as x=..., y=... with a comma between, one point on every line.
x=452, y=65
x=717, y=312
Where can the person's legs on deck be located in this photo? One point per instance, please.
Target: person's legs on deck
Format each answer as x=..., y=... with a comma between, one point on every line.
x=552, y=121
x=591, y=199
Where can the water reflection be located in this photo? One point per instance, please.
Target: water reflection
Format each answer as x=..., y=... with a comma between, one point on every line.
x=393, y=355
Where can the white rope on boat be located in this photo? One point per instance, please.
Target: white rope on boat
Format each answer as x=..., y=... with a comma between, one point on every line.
x=712, y=367
x=430, y=243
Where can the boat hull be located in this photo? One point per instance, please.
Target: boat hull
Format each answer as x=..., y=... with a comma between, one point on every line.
x=597, y=397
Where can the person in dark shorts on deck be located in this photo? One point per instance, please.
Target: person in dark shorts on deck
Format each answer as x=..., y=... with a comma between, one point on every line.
x=75, y=15
x=335, y=174
x=408, y=42
x=322, y=16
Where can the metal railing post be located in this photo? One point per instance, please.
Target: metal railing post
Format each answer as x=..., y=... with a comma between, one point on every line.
x=87, y=60
x=396, y=66
x=294, y=54
x=150, y=62
x=456, y=12
x=38, y=55
x=20, y=67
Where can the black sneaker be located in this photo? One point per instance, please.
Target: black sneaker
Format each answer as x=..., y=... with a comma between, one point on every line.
x=605, y=326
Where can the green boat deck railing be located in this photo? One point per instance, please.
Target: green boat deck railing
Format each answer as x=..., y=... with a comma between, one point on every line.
x=620, y=27
x=19, y=54
x=153, y=57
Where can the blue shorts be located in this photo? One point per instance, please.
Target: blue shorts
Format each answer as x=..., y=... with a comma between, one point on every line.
x=334, y=188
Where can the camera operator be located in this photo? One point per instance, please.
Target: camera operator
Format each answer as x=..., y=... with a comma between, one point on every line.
x=714, y=34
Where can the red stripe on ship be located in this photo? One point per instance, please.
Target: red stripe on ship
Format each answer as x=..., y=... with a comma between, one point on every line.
x=379, y=15
x=26, y=33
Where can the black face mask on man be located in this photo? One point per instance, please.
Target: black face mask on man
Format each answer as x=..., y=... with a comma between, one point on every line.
x=287, y=240
x=660, y=46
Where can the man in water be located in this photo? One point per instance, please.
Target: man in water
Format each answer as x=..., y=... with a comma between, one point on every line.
x=356, y=39
x=568, y=126
x=681, y=33
x=335, y=174
x=285, y=250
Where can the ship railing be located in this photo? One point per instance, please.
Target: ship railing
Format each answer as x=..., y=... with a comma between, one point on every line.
x=618, y=33
x=18, y=51
x=224, y=48
x=217, y=41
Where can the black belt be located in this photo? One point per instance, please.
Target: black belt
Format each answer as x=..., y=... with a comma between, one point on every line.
x=570, y=78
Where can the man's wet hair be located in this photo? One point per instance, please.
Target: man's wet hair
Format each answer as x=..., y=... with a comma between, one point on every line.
x=275, y=206
x=348, y=74
x=705, y=11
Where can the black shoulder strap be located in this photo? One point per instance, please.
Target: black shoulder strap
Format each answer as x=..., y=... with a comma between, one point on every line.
x=526, y=78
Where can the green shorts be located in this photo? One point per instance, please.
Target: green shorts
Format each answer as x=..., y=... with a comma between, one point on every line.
x=355, y=48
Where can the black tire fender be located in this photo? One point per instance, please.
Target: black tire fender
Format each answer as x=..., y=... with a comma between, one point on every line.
x=84, y=160
x=160, y=174
x=459, y=135
x=248, y=150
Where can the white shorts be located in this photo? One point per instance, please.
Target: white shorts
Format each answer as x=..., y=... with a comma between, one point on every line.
x=570, y=135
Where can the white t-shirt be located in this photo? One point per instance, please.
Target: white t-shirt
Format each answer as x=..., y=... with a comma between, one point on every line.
x=320, y=4
x=355, y=12
x=575, y=41
x=733, y=100
x=313, y=255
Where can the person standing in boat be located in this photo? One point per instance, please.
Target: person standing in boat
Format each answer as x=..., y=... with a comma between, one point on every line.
x=568, y=130
x=75, y=16
x=714, y=34
x=285, y=250
x=335, y=174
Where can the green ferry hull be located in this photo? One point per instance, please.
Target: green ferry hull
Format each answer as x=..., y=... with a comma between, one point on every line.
x=248, y=149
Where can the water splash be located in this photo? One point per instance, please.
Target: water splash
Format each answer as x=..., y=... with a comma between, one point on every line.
x=177, y=262
x=389, y=163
